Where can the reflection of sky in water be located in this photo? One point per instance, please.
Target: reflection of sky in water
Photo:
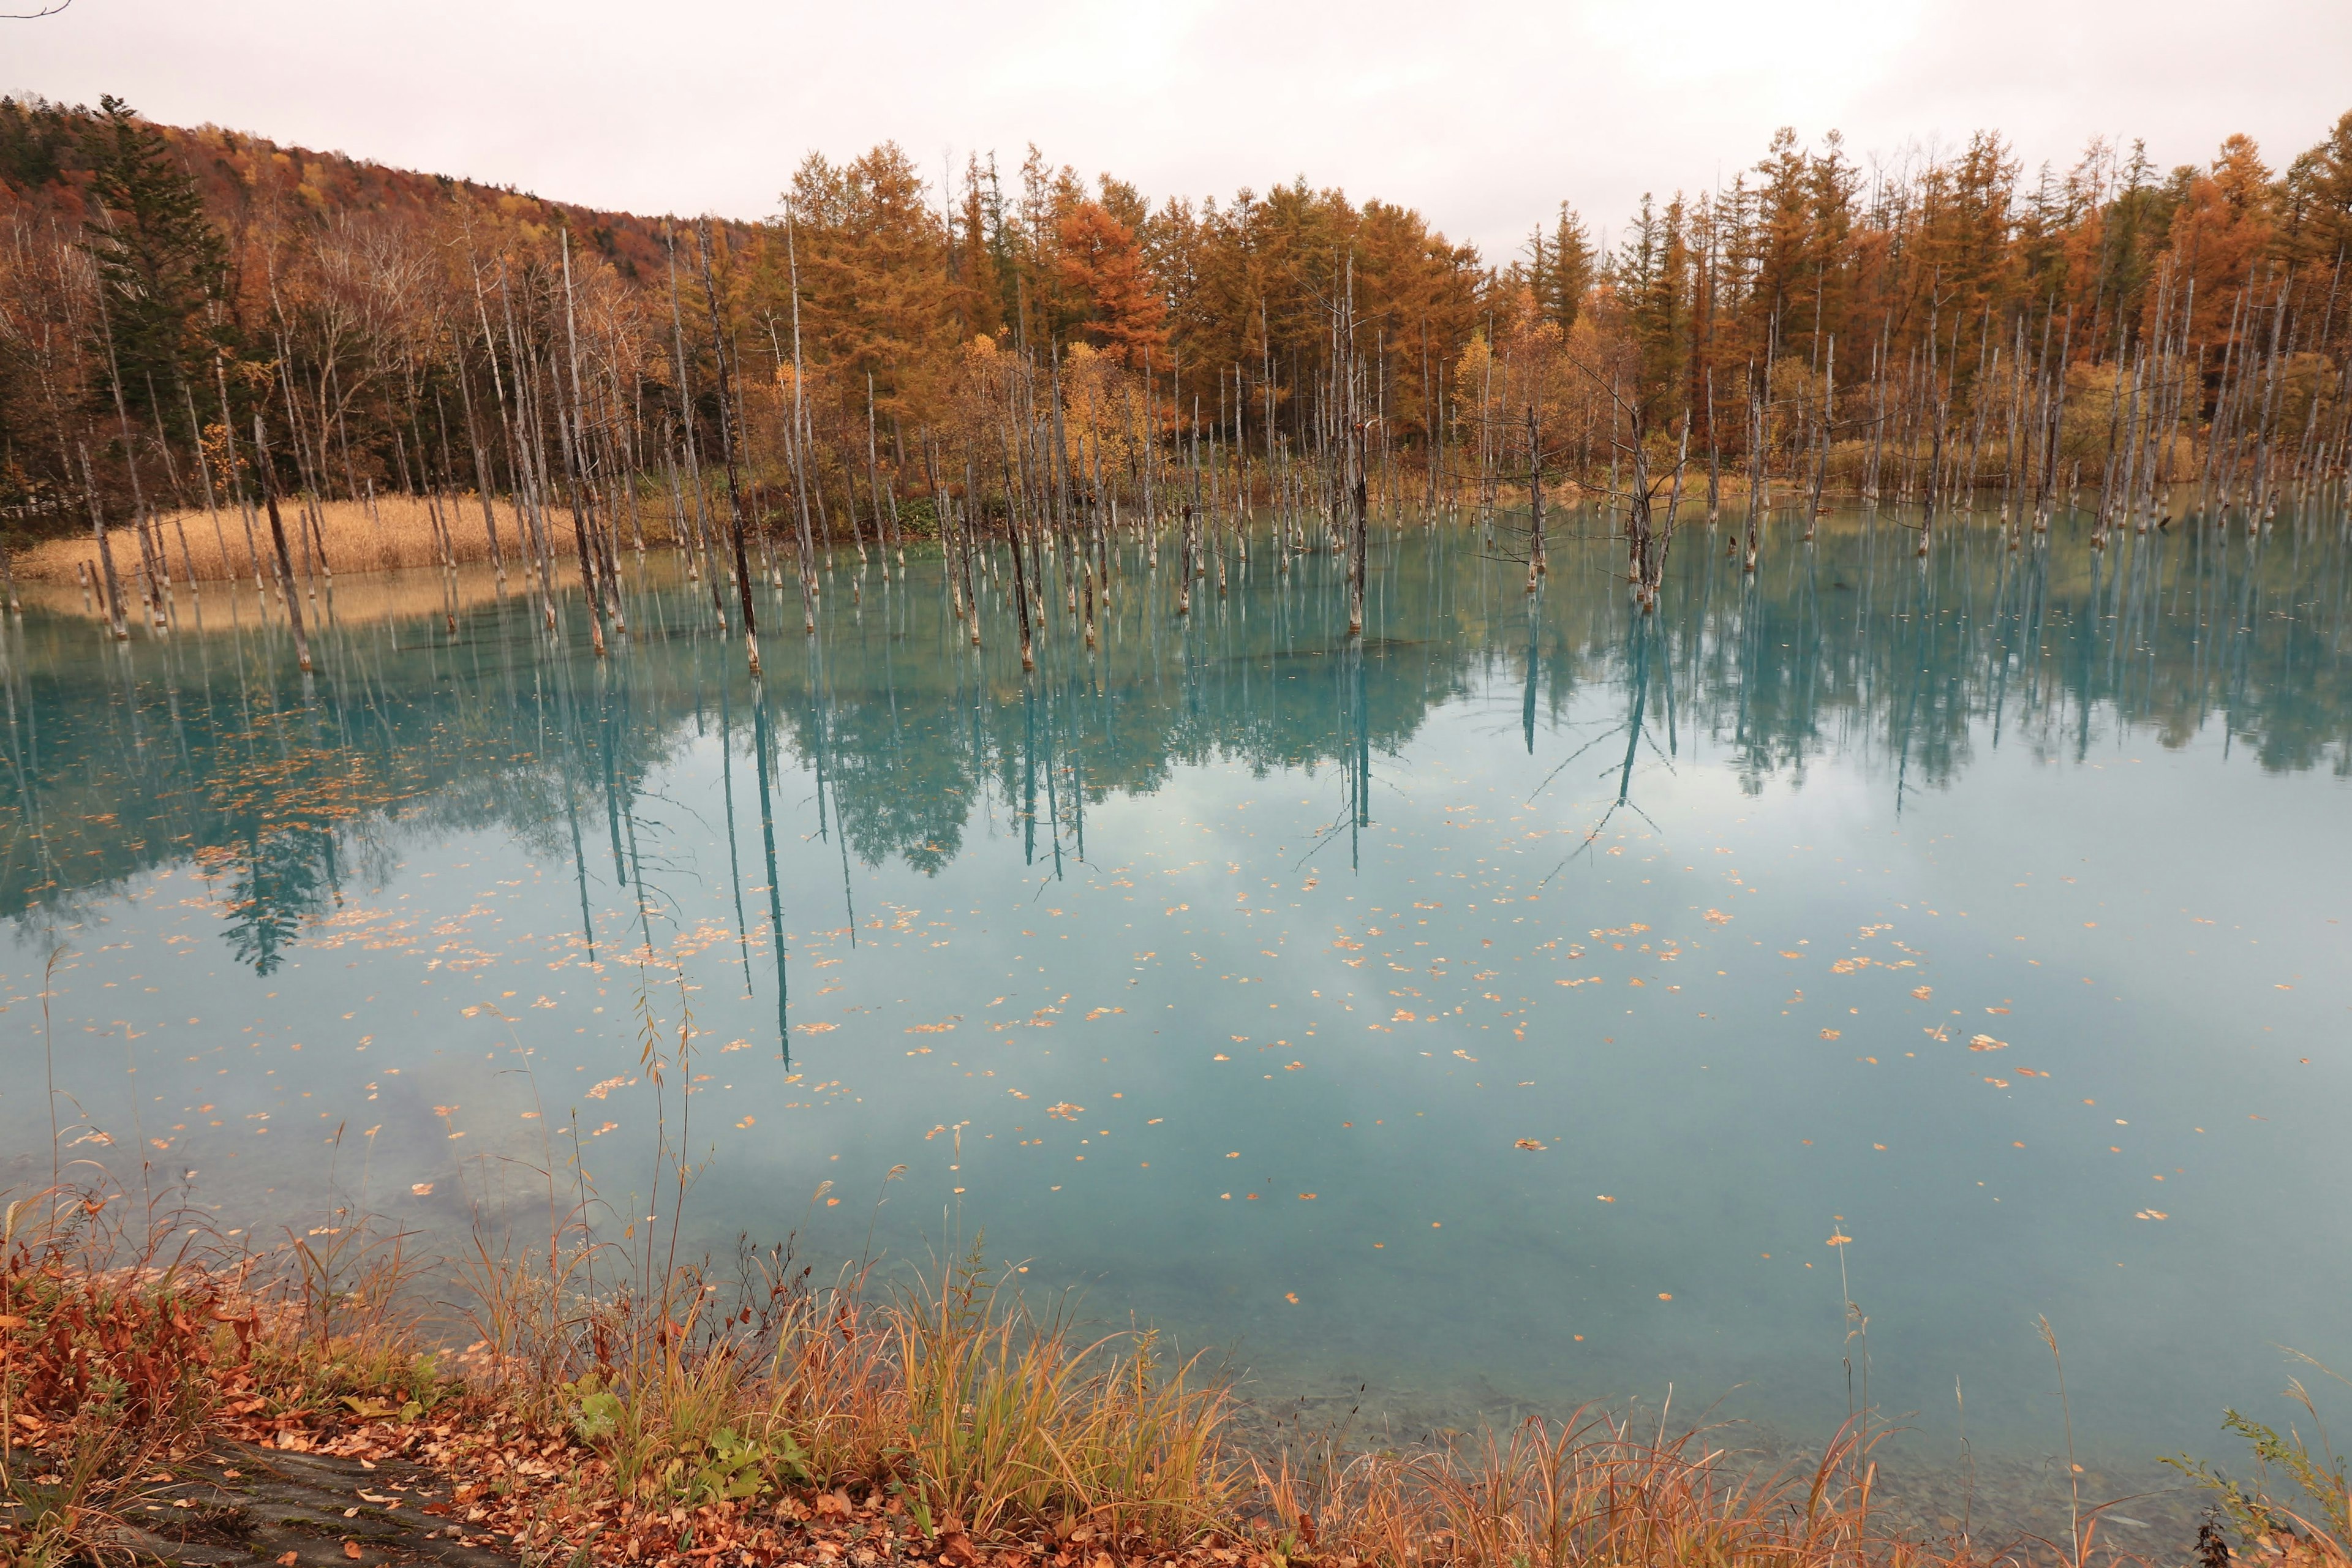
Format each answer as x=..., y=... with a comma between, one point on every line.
x=1506, y=1014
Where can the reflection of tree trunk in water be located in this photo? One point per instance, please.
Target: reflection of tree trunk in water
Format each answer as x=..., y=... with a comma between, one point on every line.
x=727, y=785
x=27, y=791
x=1028, y=775
x=612, y=789
x=1528, y=707
x=579, y=863
x=1362, y=817
x=848, y=903
x=1917, y=660
x=840, y=831
x=1633, y=724
x=775, y=892
x=1079, y=805
x=1053, y=799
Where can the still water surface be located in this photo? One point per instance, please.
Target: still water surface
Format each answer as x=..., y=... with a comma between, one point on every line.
x=1503, y=1012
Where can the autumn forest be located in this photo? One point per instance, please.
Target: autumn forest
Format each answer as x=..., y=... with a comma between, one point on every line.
x=1027, y=352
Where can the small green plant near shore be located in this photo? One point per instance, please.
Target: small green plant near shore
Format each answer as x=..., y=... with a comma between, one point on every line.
x=2311, y=1513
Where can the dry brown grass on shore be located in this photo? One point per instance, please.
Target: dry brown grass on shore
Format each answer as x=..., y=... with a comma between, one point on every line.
x=399, y=532
x=356, y=600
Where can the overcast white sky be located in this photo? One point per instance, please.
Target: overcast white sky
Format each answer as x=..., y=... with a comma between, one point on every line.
x=1482, y=114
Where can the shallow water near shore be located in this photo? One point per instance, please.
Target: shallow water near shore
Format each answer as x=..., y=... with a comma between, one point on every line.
x=1536, y=1002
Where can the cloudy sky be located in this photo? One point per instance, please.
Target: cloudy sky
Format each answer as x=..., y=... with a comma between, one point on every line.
x=1484, y=115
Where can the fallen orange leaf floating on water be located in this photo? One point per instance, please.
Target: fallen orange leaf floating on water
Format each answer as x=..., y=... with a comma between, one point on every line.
x=1840, y=1239
x=1527, y=1144
x=1986, y=1043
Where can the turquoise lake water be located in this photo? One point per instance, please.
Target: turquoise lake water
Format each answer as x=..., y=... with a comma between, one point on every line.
x=1503, y=1011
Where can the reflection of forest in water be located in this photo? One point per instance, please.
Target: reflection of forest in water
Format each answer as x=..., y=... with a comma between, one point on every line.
x=209, y=749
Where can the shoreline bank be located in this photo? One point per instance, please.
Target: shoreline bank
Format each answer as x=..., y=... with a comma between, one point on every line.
x=669, y=1418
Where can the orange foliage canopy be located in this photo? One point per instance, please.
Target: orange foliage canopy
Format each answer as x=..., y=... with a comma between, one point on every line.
x=1102, y=268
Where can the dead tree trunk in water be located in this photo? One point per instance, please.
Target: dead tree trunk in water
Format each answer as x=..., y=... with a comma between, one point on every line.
x=1359, y=539
x=1756, y=480
x=801, y=442
x=571, y=439
x=243, y=503
x=286, y=585
x=1535, y=563
x=112, y=584
x=1020, y=575
x=727, y=450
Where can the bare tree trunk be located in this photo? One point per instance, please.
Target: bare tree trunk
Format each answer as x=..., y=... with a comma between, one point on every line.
x=243, y=504
x=1756, y=480
x=110, y=583
x=203, y=473
x=277, y=540
x=1536, y=565
x=572, y=433
x=481, y=474
x=727, y=446
x=1020, y=577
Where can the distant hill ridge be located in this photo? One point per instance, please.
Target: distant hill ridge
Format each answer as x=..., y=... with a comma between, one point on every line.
x=46, y=161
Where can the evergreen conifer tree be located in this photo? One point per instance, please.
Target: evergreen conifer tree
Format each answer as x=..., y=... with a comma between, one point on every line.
x=159, y=258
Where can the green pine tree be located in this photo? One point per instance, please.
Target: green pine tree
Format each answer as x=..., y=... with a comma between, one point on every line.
x=159, y=259
x=1561, y=291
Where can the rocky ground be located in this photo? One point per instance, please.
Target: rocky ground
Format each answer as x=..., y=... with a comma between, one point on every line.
x=248, y=1505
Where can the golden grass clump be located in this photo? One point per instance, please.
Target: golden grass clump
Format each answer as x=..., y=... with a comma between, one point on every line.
x=386, y=534
x=360, y=599
x=1588, y=1490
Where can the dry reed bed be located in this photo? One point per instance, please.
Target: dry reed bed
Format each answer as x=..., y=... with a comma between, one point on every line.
x=357, y=600
x=393, y=531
